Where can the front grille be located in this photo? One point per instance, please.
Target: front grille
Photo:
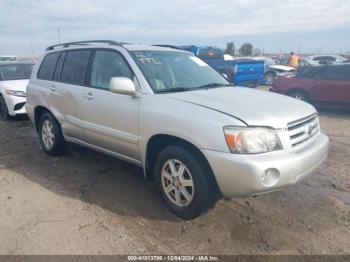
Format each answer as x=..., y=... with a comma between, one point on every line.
x=303, y=130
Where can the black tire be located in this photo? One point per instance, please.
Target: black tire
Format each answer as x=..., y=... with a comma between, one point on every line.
x=203, y=193
x=299, y=94
x=270, y=78
x=59, y=145
x=4, y=112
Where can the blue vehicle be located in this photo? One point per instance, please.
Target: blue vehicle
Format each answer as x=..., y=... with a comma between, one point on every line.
x=242, y=72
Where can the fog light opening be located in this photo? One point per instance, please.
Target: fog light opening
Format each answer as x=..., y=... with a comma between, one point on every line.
x=270, y=177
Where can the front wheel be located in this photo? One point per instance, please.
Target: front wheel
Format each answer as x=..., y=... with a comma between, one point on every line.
x=299, y=94
x=4, y=112
x=51, y=138
x=183, y=182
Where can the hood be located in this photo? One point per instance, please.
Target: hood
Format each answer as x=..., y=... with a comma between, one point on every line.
x=253, y=107
x=18, y=85
x=282, y=68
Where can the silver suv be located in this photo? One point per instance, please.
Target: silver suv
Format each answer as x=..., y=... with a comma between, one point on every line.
x=165, y=110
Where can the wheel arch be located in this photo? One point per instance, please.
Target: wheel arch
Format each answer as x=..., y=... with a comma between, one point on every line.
x=270, y=71
x=160, y=141
x=38, y=112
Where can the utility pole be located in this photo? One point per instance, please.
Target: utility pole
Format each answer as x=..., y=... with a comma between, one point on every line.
x=59, y=35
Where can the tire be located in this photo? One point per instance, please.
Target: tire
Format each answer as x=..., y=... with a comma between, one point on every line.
x=4, y=112
x=270, y=78
x=199, y=198
x=50, y=135
x=300, y=95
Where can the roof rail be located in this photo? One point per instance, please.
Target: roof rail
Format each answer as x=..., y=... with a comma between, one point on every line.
x=169, y=46
x=64, y=45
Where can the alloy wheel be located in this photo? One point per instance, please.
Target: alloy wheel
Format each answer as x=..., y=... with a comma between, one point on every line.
x=177, y=183
x=47, y=134
x=298, y=96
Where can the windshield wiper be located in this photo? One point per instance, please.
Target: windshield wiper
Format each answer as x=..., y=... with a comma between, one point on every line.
x=174, y=89
x=213, y=85
x=183, y=89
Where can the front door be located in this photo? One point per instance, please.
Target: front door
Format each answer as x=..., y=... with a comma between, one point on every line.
x=110, y=119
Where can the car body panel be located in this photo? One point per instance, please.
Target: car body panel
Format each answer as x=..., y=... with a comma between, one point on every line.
x=245, y=104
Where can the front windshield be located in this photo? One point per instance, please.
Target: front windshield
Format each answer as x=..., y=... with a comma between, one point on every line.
x=15, y=72
x=176, y=71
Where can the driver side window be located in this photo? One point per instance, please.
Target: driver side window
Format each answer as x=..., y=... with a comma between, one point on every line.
x=108, y=64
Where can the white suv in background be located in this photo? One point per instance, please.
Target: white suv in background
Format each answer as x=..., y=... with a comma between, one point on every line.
x=193, y=133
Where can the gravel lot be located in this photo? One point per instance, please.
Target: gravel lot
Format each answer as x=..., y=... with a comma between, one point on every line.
x=89, y=203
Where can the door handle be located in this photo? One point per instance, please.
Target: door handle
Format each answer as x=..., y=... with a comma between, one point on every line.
x=89, y=96
x=53, y=88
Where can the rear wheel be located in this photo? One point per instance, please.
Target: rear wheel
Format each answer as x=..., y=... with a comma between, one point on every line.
x=299, y=94
x=4, y=112
x=183, y=182
x=51, y=138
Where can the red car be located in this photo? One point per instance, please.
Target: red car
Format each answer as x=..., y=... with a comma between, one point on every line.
x=324, y=86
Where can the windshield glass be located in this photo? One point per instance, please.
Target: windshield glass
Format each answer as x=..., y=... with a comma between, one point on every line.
x=176, y=71
x=15, y=72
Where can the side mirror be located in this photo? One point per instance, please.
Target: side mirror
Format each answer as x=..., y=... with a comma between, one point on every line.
x=122, y=85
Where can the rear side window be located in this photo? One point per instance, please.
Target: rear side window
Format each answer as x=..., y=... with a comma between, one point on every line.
x=48, y=65
x=58, y=71
x=75, y=67
x=108, y=64
x=335, y=73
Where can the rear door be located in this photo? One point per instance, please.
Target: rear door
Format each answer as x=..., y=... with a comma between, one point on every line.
x=333, y=84
x=110, y=119
x=67, y=89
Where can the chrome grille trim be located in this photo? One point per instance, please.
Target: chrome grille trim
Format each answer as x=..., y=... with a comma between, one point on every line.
x=302, y=130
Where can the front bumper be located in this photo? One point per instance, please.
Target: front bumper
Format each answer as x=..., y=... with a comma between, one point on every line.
x=15, y=105
x=241, y=175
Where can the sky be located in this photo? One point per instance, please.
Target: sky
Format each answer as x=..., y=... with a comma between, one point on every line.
x=28, y=26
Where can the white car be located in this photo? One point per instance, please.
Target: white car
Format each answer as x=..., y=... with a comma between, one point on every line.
x=14, y=78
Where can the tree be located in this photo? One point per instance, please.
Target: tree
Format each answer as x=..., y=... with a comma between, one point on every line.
x=246, y=49
x=230, y=49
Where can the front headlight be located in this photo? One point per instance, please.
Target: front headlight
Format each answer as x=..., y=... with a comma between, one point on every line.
x=16, y=93
x=251, y=140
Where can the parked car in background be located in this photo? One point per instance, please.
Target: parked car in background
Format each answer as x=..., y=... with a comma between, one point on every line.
x=8, y=58
x=14, y=78
x=242, y=72
x=327, y=59
x=325, y=86
x=193, y=133
x=272, y=69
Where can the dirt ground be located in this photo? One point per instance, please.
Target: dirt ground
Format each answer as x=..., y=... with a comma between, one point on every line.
x=89, y=203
